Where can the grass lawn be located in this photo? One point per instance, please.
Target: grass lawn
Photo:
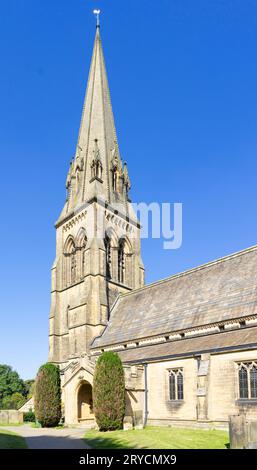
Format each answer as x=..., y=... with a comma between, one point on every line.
x=10, y=440
x=158, y=438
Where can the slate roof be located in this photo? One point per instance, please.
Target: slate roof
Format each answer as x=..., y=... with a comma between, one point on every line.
x=221, y=290
x=236, y=339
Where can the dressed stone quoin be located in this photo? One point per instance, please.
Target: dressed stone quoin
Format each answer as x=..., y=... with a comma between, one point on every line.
x=188, y=343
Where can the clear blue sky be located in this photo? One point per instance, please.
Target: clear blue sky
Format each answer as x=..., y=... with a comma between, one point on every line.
x=183, y=79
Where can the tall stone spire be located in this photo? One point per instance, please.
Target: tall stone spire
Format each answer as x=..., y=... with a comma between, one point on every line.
x=88, y=178
x=97, y=241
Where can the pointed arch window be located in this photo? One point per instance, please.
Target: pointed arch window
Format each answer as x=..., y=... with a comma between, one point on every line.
x=247, y=379
x=253, y=381
x=108, y=257
x=180, y=385
x=81, y=243
x=172, y=384
x=70, y=264
x=176, y=384
x=83, y=257
x=121, y=261
x=243, y=382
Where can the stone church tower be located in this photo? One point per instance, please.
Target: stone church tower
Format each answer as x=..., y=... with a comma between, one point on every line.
x=97, y=233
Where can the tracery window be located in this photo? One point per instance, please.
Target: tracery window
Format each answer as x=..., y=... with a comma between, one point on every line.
x=247, y=379
x=74, y=258
x=176, y=384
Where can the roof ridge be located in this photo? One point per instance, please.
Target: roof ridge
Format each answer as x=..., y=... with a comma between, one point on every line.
x=191, y=270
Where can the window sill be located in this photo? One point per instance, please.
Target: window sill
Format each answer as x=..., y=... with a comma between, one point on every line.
x=176, y=401
x=246, y=401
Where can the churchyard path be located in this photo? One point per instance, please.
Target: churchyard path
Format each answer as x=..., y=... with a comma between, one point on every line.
x=50, y=438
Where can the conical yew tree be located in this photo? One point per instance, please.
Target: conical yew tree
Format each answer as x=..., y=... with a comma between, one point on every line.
x=109, y=392
x=48, y=395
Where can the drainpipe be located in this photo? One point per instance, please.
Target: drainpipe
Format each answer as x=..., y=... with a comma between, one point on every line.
x=146, y=396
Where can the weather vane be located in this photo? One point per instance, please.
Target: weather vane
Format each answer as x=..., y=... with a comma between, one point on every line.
x=97, y=14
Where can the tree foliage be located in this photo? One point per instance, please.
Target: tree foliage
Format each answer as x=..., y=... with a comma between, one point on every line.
x=47, y=397
x=29, y=386
x=13, y=402
x=109, y=392
x=10, y=383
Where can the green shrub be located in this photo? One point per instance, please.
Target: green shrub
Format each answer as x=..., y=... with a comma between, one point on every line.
x=47, y=397
x=109, y=392
x=29, y=417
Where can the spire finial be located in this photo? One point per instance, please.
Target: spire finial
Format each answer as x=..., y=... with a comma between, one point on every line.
x=97, y=14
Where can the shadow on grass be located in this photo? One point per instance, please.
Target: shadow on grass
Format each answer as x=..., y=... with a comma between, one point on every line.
x=109, y=443
x=43, y=441
x=12, y=441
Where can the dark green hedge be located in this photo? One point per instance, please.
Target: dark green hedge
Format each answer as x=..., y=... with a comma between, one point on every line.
x=109, y=392
x=29, y=417
x=48, y=395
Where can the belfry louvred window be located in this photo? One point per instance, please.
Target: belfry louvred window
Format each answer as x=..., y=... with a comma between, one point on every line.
x=108, y=257
x=176, y=384
x=247, y=379
x=73, y=266
x=121, y=261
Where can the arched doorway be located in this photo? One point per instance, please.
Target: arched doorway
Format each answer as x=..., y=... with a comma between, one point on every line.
x=85, y=402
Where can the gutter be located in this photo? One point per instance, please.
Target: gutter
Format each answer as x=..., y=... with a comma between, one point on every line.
x=241, y=347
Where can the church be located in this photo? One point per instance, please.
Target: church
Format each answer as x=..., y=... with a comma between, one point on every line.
x=188, y=343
